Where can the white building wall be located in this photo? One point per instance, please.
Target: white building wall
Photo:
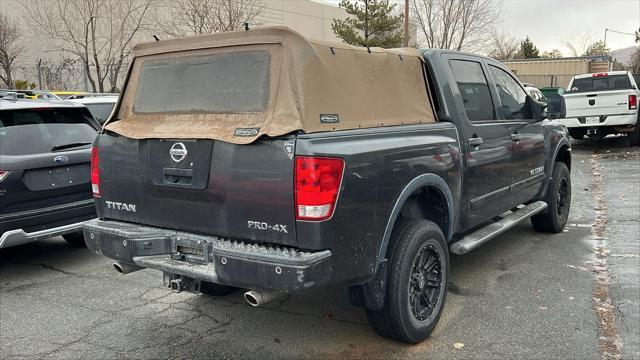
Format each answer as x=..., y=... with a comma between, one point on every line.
x=310, y=18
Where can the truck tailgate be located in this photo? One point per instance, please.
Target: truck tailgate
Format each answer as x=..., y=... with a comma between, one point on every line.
x=597, y=103
x=237, y=191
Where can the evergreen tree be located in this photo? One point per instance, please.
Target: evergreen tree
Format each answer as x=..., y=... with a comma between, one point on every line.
x=528, y=50
x=372, y=23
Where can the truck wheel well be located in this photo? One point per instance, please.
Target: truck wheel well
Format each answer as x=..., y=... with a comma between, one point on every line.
x=427, y=203
x=564, y=155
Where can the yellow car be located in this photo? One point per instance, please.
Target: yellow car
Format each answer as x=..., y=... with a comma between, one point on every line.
x=64, y=94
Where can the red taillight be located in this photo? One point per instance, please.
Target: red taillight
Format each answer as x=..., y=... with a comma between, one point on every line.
x=317, y=184
x=600, y=74
x=633, y=102
x=3, y=174
x=95, y=172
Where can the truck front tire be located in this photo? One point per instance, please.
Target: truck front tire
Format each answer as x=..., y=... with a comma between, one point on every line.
x=417, y=282
x=558, y=200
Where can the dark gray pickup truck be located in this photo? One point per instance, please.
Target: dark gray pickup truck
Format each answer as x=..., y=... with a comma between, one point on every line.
x=266, y=161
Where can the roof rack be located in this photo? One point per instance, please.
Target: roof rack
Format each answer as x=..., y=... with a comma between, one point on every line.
x=85, y=95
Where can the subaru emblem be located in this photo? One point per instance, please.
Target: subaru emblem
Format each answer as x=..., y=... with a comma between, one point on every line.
x=178, y=152
x=61, y=159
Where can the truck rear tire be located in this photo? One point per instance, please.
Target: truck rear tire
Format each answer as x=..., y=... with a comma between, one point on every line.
x=559, y=201
x=213, y=289
x=416, y=282
x=634, y=136
x=75, y=239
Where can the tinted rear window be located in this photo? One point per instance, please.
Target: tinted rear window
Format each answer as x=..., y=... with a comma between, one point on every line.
x=24, y=132
x=598, y=83
x=219, y=83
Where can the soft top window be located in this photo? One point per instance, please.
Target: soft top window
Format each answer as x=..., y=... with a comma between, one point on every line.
x=219, y=83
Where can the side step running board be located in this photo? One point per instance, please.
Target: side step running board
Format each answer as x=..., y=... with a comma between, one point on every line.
x=492, y=230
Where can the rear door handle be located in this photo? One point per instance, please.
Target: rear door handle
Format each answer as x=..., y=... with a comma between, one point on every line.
x=475, y=141
x=516, y=137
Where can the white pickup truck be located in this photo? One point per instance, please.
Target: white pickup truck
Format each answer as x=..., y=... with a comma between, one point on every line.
x=601, y=104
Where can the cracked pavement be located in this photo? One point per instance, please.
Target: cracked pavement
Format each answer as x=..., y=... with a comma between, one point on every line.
x=523, y=295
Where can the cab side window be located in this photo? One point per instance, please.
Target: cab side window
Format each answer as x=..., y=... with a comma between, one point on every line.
x=474, y=89
x=512, y=96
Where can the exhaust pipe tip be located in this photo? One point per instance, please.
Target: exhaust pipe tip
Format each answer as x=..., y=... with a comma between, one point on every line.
x=259, y=298
x=124, y=268
x=118, y=268
x=251, y=298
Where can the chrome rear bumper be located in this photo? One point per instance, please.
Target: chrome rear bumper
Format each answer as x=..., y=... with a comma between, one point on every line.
x=19, y=236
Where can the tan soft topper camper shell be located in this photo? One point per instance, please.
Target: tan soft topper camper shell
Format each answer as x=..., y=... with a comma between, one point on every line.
x=314, y=86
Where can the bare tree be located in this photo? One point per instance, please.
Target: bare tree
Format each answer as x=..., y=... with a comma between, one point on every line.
x=197, y=17
x=58, y=74
x=577, y=44
x=455, y=24
x=504, y=47
x=10, y=49
x=99, y=33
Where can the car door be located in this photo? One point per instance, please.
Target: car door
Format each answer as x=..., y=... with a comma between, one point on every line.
x=527, y=147
x=485, y=137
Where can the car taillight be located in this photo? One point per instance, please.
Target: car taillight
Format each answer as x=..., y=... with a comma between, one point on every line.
x=317, y=184
x=95, y=172
x=3, y=174
x=600, y=74
x=633, y=102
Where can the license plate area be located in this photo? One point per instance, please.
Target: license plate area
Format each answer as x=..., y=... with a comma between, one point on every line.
x=191, y=250
x=590, y=120
x=56, y=177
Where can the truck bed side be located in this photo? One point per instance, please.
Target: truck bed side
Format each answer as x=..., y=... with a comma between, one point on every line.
x=379, y=164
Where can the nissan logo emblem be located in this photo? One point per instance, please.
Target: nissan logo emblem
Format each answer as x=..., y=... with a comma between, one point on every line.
x=178, y=152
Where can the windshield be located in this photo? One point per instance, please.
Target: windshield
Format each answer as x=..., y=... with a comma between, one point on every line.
x=603, y=82
x=33, y=131
x=220, y=83
x=100, y=111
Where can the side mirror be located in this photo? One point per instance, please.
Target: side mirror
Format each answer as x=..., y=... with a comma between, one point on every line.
x=556, y=106
x=538, y=109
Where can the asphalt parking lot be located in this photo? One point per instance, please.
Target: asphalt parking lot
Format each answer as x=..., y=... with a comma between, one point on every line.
x=523, y=295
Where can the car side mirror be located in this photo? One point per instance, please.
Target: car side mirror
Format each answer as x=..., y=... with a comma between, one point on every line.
x=538, y=109
x=556, y=106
